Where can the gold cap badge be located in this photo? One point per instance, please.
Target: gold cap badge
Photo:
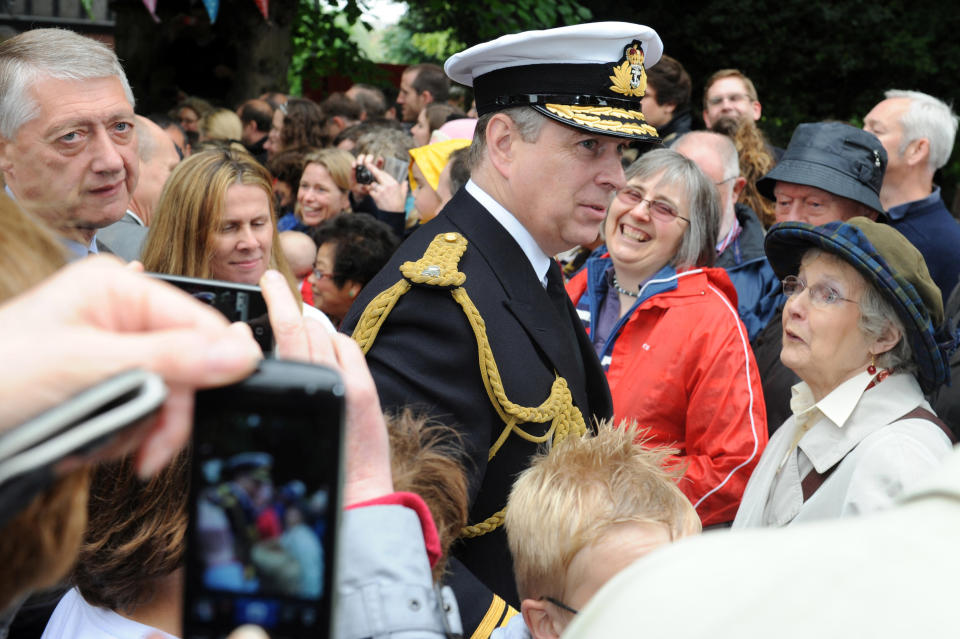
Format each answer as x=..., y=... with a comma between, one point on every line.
x=629, y=77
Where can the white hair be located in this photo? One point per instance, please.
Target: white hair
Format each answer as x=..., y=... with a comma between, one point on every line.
x=50, y=53
x=930, y=118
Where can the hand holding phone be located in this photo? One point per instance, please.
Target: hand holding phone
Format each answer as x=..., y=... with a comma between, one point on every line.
x=367, y=443
x=388, y=186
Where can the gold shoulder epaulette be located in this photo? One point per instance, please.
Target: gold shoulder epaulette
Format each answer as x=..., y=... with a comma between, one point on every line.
x=438, y=266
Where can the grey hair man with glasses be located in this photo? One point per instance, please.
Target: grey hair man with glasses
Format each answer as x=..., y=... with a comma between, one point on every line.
x=740, y=241
x=830, y=172
x=68, y=147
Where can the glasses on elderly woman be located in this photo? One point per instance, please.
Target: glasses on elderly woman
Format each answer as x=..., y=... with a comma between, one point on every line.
x=821, y=295
x=658, y=208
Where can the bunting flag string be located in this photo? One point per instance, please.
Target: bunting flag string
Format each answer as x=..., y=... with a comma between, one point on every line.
x=264, y=6
x=213, y=7
x=151, y=6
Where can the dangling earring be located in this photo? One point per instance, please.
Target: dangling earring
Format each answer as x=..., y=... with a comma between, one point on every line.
x=872, y=368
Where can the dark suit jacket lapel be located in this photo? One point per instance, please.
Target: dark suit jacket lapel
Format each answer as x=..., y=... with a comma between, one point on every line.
x=525, y=297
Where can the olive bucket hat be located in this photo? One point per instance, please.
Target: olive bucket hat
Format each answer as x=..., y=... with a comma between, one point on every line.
x=892, y=265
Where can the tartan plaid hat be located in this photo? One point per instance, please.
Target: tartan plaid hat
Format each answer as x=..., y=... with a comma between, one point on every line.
x=889, y=262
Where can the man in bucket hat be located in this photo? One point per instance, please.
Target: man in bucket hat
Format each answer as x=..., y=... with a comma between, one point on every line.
x=470, y=320
x=830, y=172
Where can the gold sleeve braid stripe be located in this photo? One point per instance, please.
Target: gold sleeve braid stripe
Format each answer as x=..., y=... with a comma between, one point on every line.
x=497, y=616
x=438, y=267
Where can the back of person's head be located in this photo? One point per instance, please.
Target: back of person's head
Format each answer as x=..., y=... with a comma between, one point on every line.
x=300, y=251
x=274, y=99
x=39, y=544
x=569, y=498
x=385, y=143
x=135, y=533
x=671, y=82
x=364, y=246
x=338, y=104
x=198, y=105
x=439, y=113
x=51, y=53
x=302, y=125
x=287, y=166
x=191, y=207
x=425, y=459
x=930, y=118
x=370, y=99
x=259, y=112
x=720, y=145
x=729, y=73
x=755, y=162
x=431, y=78
x=221, y=124
x=698, y=246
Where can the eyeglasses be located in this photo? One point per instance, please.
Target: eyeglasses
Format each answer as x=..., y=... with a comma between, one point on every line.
x=736, y=98
x=725, y=180
x=560, y=604
x=821, y=295
x=319, y=275
x=658, y=208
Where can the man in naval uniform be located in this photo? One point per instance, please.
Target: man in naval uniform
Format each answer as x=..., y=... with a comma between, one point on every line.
x=469, y=320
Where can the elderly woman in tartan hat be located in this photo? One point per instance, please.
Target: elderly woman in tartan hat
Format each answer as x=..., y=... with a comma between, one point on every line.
x=859, y=329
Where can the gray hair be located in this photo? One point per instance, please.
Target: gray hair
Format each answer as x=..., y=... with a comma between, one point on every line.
x=52, y=53
x=385, y=142
x=877, y=315
x=930, y=118
x=699, y=244
x=529, y=121
x=721, y=144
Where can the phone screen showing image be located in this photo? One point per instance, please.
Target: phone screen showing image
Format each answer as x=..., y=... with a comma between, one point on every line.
x=264, y=505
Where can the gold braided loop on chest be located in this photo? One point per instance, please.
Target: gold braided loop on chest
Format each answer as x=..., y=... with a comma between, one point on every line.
x=438, y=267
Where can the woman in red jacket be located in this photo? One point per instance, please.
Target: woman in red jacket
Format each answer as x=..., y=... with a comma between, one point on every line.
x=666, y=329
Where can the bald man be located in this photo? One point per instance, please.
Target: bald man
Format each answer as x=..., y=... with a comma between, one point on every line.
x=740, y=247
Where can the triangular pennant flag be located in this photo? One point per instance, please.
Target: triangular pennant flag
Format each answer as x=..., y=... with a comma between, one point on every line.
x=212, y=6
x=151, y=6
x=88, y=6
x=264, y=6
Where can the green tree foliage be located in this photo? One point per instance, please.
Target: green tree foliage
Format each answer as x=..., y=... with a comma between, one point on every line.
x=468, y=23
x=322, y=45
x=810, y=61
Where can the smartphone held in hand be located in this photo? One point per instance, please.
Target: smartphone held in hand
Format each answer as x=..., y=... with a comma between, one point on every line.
x=264, y=503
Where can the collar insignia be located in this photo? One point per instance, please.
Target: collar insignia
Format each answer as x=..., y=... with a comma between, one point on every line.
x=628, y=77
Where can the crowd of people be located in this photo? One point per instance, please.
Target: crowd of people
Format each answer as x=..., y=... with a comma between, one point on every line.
x=572, y=331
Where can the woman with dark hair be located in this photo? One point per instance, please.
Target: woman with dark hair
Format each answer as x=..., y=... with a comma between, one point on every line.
x=298, y=124
x=351, y=249
x=674, y=349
